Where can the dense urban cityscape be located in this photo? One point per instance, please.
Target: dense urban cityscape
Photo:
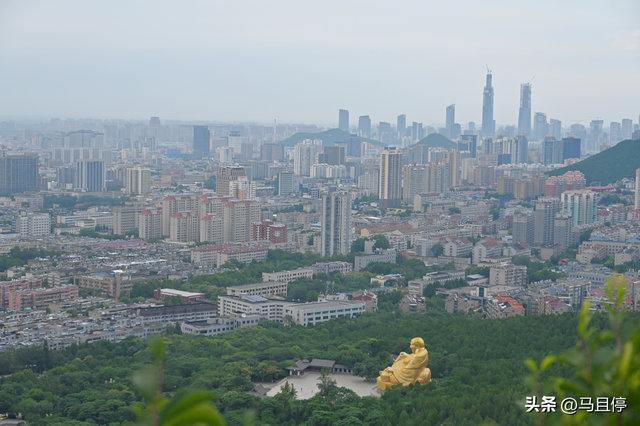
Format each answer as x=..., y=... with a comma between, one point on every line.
x=369, y=255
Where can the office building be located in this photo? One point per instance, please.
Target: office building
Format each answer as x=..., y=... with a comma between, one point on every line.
x=271, y=152
x=524, y=114
x=546, y=209
x=336, y=223
x=124, y=219
x=540, y=126
x=471, y=142
x=33, y=224
x=450, y=121
x=304, y=155
x=343, y=120
x=201, y=140
x=276, y=233
x=508, y=275
x=225, y=175
x=626, y=129
x=390, y=178
x=488, y=125
x=150, y=224
x=90, y=176
x=286, y=183
x=384, y=131
x=354, y=146
x=401, y=126
x=332, y=155
x=570, y=148
x=581, y=205
x=364, y=126
x=259, y=169
x=138, y=180
x=555, y=128
x=18, y=174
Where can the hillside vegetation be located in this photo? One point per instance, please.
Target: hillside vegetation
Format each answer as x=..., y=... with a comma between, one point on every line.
x=329, y=138
x=608, y=166
x=436, y=140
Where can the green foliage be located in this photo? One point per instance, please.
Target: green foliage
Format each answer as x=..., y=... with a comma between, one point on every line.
x=87, y=201
x=537, y=271
x=437, y=249
x=454, y=210
x=609, y=199
x=608, y=166
x=366, y=199
x=19, y=257
x=173, y=301
x=437, y=140
x=90, y=233
x=295, y=208
x=604, y=363
x=329, y=138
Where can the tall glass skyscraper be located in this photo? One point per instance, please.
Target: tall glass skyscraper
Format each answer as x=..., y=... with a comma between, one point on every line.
x=343, y=120
x=524, y=116
x=201, y=139
x=488, y=125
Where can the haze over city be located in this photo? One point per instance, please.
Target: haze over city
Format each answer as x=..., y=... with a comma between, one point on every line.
x=298, y=62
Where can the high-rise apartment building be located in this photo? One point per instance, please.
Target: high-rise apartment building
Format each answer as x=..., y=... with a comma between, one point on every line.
x=343, y=120
x=332, y=155
x=562, y=234
x=150, y=224
x=239, y=217
x=124, y=219
x=18, y=174
x=555, y=128
x=286, y=183
x=364, y=126
x=304, y=155
x=384, y=131
x=488, y=125
x=546, y=209
x=524, y=114
x=370, y=181
x=636, y=204
x=271, y=152
x=413, y=181
x=201, y=140
x=225, y=175
x=336, y=223
x=523, y=228
x=174, y=204
x=242, y=189
x=184, y=227
x=91, y=176
x=626, y=129
x=212, y=229
x=581, y=205
x=138, y=180
x=391, y=178
x=354, y=146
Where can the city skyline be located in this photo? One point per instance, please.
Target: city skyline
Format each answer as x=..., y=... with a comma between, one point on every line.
x=61, y=74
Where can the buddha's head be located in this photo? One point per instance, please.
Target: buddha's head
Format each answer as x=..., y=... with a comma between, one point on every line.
x=416, y=344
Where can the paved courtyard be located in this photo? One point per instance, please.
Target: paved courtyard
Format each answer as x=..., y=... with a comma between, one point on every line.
x=307, y=385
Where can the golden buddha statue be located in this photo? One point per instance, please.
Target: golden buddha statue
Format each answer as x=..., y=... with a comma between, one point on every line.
x=407, y=369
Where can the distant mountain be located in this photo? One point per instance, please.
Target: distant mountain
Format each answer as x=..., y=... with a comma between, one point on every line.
x=609, y=165
x=329, y=138
x=436, y=140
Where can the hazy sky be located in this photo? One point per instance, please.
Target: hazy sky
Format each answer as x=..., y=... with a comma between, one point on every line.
x=300, y=61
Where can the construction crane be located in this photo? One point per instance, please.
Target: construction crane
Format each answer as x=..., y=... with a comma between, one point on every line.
x=486, y=67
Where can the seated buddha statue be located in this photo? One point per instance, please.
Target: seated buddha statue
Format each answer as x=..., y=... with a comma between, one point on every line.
x=407, y=368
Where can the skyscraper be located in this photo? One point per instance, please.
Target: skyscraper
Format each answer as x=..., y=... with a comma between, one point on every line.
x=18, y=173
x=201, y=140
x=390, y=178
x=383, y=130
x=343, y=120
x=555, y=128
x=570, y=148
x=401, y=127
x=333, y=155
x=304, y=155
x=626, y=129
x=524, y=115
x=90, y=175
x=450, y=120
x=354, y=146
x=488, y=125
x=540, y=126
x=336, y=223
x=225, y=175
x=364, y=126
x=286, y=183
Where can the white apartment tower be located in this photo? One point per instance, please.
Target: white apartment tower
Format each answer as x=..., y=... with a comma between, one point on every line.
x=33, y=224
x=336, y=223
x=138, y=180
x=304, y=155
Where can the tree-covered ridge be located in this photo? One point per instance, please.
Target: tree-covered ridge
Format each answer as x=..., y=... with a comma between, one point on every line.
x=478, y=369
x=329, y=138
x=436, y=140
x=608, y=166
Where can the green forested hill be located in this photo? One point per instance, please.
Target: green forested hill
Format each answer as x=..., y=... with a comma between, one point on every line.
x=437, y=140
x=329, y=138
x=608, y=166
x=477, y=367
